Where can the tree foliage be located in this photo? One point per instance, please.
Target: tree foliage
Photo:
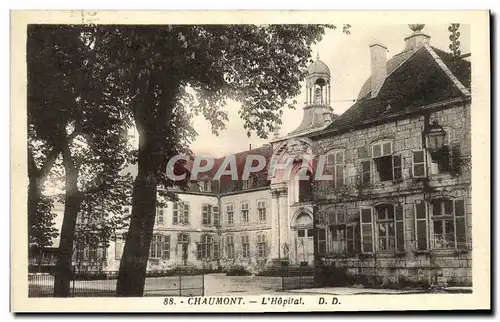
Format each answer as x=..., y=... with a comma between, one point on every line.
x=173, y=72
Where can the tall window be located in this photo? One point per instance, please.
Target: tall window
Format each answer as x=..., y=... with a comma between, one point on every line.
x=261, y=245
x=304, y=181
x=205, y=186
x=230, y=213
x=335, y=162
x=245, y=246
x=418, y=164
x=208, y=214
x=160, y=247
x=321, y=241
x=180, y=213
x=229, y=246
x=215, y=215
x=387, y=165
x=244, y=212
x=448, y=221
x=337, y=231
x=261, y=208
x=204, y=250
x=159, y=215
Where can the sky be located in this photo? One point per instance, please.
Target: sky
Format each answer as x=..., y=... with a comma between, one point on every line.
x=348, y=57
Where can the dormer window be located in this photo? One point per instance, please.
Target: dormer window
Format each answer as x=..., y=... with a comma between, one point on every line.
x=387, y=164
x=205, y=186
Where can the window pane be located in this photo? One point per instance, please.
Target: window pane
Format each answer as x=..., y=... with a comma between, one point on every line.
x=448, y=207
x=340, y=218
x=450, y=227
x=436, y=208
x=418, y=156
x=420, y=209
x=301, y=233
x=390, y=212
x=321, y=234
x=438, y=227
x=419, y=170
x=367, y=246
x=387, y=148
x=399, y=212
x=340, y=176
x=381, y=213
x=310, y=233
x=382, y=230
x=366, y=215
x=339, y=158
x=377, y=151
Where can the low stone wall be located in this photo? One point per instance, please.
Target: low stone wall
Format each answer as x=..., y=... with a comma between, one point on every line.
x=410, y=270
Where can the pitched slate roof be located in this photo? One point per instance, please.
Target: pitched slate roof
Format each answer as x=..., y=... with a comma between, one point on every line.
x=424, y=76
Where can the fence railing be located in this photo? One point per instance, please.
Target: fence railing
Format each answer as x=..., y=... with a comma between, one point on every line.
x=297, y=278
x=42, y=285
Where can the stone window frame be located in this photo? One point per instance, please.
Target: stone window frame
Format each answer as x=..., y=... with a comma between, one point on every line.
x=396, y=175
x=337, y=221
x=210, y=214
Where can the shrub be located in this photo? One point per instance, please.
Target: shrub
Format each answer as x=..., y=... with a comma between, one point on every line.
x=237, y=271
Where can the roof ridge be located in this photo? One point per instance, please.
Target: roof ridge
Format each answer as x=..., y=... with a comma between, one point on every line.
x=446, y=70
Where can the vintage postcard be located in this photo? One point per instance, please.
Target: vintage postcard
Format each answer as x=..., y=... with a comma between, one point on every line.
x=250, y=161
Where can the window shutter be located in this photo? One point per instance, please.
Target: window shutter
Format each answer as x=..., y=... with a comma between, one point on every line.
x=186, y=214
x=397, y=173
x=421, y=225
x=376, y=151
x=216, y=251
x=419, y=165
x=400, y=232
x=460, y=226
x=366, y=173
x=215, y=214
x=366, y=216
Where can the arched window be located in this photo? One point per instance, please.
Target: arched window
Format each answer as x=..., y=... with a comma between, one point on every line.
x=305, y=187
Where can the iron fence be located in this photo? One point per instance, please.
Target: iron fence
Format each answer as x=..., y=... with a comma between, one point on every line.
x=297, y=278
x=42, y=285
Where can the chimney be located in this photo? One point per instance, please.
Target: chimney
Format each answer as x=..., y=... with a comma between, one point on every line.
x=417, y=38
x=378, y=67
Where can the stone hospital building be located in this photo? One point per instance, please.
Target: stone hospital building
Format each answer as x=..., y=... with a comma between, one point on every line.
x=399, y=204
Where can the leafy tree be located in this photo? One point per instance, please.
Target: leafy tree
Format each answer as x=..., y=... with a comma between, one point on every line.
x=172, y=72
x=75, y=111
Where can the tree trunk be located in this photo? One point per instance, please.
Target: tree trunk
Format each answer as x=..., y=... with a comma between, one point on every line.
x=72, y=203
x=133, y=264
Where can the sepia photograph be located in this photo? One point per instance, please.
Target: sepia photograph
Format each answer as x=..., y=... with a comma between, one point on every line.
x=250, y=166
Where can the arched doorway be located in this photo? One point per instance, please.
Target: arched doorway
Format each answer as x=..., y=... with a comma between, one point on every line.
x=303, y=239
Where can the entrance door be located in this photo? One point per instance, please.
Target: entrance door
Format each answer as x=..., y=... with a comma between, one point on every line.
x=305, y=246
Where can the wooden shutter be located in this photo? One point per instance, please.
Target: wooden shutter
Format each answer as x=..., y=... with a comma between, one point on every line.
x=366, y=173
x=460, y=224
x=175, y=216
x=400, y=230
x=419, y=164
x=366, y=218
x=421, y=226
